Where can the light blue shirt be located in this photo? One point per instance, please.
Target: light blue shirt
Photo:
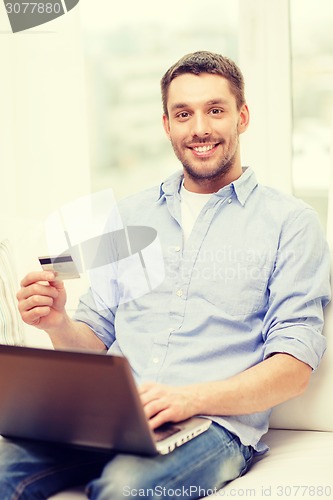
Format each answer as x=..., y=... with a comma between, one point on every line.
x=252, y=280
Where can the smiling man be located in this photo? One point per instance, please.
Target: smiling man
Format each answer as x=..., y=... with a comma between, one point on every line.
x=233, y=330
x=203, y=120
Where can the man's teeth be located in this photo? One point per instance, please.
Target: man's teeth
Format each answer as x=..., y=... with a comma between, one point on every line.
x=203, y=149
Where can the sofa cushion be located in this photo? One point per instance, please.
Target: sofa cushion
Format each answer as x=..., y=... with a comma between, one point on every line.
x=298, y=465
x=312, y=410
x=11, y=325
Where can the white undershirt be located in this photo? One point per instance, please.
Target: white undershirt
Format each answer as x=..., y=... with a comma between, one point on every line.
x=191, y=206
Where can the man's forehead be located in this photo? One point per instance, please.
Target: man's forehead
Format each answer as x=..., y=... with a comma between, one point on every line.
x=205, y=88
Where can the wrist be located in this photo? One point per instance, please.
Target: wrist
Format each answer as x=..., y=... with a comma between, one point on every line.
x=198, y=398
x=62, y=325
x=209, y=397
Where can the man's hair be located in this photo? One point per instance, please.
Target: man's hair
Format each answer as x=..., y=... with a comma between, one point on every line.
x=205, y=62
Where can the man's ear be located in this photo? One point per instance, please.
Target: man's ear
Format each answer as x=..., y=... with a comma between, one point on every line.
x=166, y=125
x=244, y=119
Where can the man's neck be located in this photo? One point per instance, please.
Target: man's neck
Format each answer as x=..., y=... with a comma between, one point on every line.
x=206, y=186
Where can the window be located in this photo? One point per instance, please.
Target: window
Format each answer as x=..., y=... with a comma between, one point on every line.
x=127, y=50
x=312, y=90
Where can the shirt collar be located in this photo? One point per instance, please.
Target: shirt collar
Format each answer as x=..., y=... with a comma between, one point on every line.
x=243, y=186
x=171, y=185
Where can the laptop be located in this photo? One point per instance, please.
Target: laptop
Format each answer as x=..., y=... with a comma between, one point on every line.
x=82, y=399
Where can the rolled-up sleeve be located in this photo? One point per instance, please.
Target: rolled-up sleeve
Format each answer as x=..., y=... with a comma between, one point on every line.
x=100, y=317
x=299, y=289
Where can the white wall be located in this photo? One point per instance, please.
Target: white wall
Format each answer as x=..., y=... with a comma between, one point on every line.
x=43, y=152
x=264, y=46
x=43, y=133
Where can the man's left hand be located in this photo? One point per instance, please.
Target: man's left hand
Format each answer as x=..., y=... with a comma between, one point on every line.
x=164, y=403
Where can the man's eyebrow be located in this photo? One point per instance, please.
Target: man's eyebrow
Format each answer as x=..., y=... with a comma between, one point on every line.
x=179, y=105
x=212, y=102
x=215, y=102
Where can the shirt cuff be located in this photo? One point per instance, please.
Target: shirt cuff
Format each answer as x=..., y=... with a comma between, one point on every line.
x=304, y=344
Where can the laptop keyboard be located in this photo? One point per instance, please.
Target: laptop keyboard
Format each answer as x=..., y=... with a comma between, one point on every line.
x=165, y=431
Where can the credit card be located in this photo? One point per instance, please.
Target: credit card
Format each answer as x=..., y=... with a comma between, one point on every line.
x=63, y=266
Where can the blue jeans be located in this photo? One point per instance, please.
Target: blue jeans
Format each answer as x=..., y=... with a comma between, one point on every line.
x=30, y=470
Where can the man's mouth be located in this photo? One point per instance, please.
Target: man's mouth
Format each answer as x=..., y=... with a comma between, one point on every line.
x=203, y=149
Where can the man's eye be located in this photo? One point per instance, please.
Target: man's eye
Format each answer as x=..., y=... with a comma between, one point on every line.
x=216, y=111
x=183, y=115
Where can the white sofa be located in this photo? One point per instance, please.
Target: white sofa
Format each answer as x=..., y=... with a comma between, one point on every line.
x=300, y=461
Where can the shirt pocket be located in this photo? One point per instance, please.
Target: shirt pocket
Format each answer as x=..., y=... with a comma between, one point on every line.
x=239, y=288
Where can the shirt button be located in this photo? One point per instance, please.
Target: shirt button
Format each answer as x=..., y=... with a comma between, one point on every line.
x=230, y=200
x=156, y=360
x=179, y=293
x=177, y=249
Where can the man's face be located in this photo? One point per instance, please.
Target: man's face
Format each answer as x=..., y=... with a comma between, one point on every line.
x=204, y=126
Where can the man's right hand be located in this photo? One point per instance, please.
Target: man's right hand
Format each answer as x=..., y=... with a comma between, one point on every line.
x=41, y=300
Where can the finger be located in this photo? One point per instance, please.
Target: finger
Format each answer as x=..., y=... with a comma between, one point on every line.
x=154, y=407
x=58, y=284
x=142, y=389
x=146, y=398
x=161, y=418
x=33, y=316
x=35, y=301
x=154, y=393
x=34, y=277
x=37, y=289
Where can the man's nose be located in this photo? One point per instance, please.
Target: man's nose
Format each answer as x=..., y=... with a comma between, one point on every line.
x=200, y=125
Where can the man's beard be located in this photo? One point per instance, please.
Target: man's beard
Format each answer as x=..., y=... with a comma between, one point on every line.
x=219, y=170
